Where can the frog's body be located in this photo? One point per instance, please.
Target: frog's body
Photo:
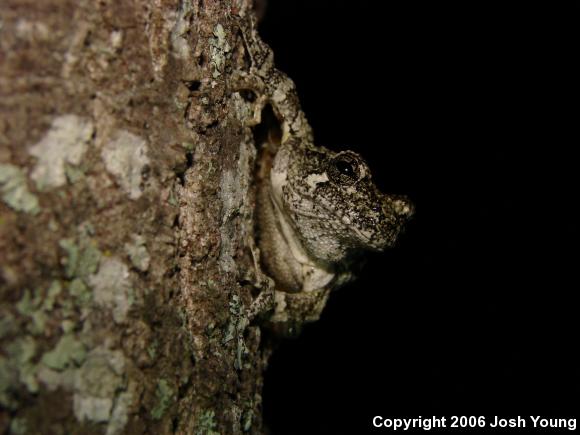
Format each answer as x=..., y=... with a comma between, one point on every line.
x=318, y=211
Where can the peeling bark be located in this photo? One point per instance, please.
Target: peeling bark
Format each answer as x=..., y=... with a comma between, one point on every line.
x=125, y=214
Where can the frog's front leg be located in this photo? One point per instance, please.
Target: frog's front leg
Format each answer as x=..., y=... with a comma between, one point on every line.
x=264, y=302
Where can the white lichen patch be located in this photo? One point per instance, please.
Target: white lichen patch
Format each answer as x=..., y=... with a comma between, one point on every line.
x=14, y=190
x=97, y=409
x=137, y=252
x=179, y=32
x=219, y=49
x=32, y=30
x=54, y=379
x=126, y=158
x=112, y=288
x=116, y=39
x=96, y=384
x=120, y=414
x=65, y=143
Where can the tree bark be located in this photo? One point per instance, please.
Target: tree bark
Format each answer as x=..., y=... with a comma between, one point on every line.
x=126, y=212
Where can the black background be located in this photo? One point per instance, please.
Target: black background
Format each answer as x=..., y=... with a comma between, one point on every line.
x=469, y=109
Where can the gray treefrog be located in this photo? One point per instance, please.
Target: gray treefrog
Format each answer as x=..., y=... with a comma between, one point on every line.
x=317, y=210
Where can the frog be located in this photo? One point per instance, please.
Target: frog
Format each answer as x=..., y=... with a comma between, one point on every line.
x=318, y=211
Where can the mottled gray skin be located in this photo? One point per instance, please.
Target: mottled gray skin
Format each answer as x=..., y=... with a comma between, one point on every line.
x=320, y=212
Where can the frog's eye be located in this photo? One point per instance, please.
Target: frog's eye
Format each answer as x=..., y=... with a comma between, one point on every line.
x=344, y=169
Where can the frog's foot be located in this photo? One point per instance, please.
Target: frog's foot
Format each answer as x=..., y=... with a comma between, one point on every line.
x=294, y=310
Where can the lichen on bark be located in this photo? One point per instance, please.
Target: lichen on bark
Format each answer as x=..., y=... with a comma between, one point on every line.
x=126, y=208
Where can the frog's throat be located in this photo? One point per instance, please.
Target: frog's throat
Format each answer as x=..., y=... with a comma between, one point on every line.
x=291, y=238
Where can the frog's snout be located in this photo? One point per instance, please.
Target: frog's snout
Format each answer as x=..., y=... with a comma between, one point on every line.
x=400, y=206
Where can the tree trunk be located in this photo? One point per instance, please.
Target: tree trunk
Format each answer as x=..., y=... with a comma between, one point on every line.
x=126, y=166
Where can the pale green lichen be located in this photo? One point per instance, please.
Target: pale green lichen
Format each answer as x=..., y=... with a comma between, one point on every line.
x=235, y=329
x=18, y=426
x=67, y=326
x=7, y=382
x=152, y=349
x=164, y=396
x=36, y=306
x=27, y=375
x=65, y=143
x=38, y=325
x=51, y=295
x=31, y=306
x=219, y=49
x=112, y=288
x=206, y=423
x=188, y=146
x=89, y=258
x=18, y=367
x=173, y=199
x=247, y=420
x=67, y=309
x=21, y=353
x=67, y=351
x=14, y=190
x=126, y=158
x=82, y=259
x=138, y=252
x=8, y=325
x=72, y=251
x=22, y=350
x=78, y=290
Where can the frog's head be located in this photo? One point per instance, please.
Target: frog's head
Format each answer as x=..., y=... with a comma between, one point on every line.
x=332, y=203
